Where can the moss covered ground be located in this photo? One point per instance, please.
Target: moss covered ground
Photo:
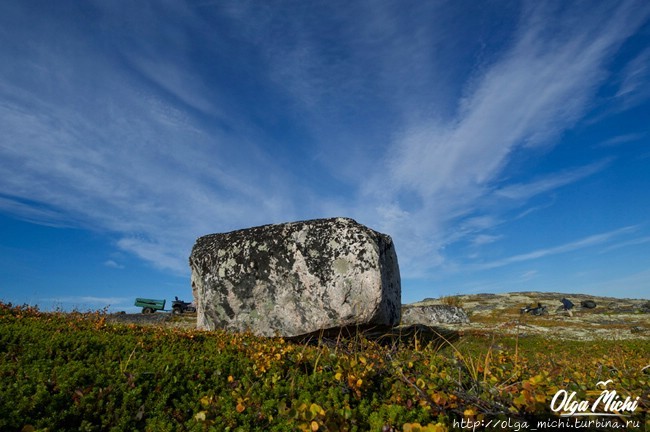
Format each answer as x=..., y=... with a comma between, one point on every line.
x=78, y=371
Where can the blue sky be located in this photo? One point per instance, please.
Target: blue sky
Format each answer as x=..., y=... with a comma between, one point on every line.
x=504, y=145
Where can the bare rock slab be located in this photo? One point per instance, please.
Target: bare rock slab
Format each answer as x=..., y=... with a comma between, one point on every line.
x=296, y=278
x=433, y=314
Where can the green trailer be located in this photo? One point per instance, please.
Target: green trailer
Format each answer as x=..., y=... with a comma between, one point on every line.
x=150, y=305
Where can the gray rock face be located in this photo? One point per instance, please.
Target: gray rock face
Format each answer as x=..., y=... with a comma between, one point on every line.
x=433, y=314
x=296, y=278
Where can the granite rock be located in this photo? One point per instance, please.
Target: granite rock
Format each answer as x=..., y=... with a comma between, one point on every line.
x=296, y=278
x=433, y=314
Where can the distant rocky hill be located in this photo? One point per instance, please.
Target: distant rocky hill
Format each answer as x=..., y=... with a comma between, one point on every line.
x=612, y=318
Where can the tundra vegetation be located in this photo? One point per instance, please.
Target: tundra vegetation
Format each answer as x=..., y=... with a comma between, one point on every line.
x=82, y=372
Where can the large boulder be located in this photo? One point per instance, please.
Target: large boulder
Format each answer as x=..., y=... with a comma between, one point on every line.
x=296, y=278
x=432, y=315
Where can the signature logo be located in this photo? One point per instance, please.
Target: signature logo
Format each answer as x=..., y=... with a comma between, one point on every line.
x=608, y=403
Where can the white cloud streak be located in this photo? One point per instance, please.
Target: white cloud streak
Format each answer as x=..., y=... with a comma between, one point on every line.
x=635, y=78
x=522, y=192
x=627, y=243
x=583, y=243
x=88, y=300
x=113, y=264
x=622, y=139
x=483, y=239
x=535, y=91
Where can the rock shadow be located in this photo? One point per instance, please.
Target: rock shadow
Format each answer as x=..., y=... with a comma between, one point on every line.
x=411, y=336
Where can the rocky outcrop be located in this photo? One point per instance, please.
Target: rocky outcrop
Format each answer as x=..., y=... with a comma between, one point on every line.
x=612, y=318
x=433, y=315
x=296, y=278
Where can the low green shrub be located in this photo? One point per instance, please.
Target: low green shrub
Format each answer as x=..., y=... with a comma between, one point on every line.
x=61, y=372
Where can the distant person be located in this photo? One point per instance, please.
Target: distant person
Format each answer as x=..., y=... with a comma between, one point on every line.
x=567, y=306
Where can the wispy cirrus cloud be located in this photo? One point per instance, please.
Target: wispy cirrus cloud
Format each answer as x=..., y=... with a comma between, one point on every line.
x=113, y=264
x=622, y=139
x=626, y=243
x=528, y=275
x=522, y=192
x=440, y=173
x=157, y=139
x=148, y=154
x=589, y=241
x=483, y=239
x=634, y=79
x=88, y=300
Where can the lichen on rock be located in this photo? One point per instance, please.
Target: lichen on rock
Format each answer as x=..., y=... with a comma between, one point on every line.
x=432, y=315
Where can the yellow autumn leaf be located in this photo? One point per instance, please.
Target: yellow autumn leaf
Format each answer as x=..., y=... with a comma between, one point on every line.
x=316, y=409
x=519, y=401
x=240, y=408
x=536, y=379
x=469, y=412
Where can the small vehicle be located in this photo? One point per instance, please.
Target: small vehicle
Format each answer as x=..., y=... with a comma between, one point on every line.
x=150, y=305
x=179, y=306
